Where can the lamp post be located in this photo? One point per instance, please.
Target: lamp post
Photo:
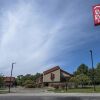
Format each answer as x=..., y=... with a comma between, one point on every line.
x=93, y=81
x=11, y=76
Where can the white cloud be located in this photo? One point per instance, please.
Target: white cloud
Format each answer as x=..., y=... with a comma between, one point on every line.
x=26, y=38
x=32, y=38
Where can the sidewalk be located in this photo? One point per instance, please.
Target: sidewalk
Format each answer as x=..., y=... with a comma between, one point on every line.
x=54, y=94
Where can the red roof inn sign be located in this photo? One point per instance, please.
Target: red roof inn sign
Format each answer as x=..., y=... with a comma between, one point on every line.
x=96, y=14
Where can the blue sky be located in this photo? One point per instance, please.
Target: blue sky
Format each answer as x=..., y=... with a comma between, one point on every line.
x=40, y=34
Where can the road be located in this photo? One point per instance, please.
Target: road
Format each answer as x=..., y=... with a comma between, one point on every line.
x=47, y=98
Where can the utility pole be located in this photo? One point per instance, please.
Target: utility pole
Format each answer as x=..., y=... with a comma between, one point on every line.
x=93, y=80
x=11, y=76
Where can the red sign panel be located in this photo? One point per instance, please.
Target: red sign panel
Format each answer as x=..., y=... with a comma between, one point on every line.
x=96, y=14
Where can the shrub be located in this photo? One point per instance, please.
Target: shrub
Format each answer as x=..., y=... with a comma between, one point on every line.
x=56, y=86
x=29, y=84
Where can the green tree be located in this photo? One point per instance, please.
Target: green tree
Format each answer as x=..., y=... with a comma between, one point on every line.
x=97, y=74
x=1, y=81
x=29, y=84
x=37, y=75
x=92, y=75
x=98, y=66
x=83, y=79
x=82, y=69
x=74, y=80
x=21, y=80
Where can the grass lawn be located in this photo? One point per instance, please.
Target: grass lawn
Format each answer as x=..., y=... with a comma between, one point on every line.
x=77, y=90
x=3, y=90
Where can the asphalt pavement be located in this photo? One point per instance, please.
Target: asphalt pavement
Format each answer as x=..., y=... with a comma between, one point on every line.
x=47, y=98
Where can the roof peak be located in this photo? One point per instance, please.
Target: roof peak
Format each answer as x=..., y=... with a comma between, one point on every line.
x=51, y=69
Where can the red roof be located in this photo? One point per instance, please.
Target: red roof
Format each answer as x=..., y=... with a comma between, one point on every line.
x=51, y=70
x=54, y=69
x=66, y=72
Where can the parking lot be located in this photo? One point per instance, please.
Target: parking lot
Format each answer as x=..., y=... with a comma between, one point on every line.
x=29, y=90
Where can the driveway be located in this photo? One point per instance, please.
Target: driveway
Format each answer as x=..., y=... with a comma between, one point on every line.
x=29, y=90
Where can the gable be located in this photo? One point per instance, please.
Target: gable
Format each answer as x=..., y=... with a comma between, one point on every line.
x=51, y=70
x=53, y=76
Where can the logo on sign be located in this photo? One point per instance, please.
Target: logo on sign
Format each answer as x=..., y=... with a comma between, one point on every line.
x=96, y=14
